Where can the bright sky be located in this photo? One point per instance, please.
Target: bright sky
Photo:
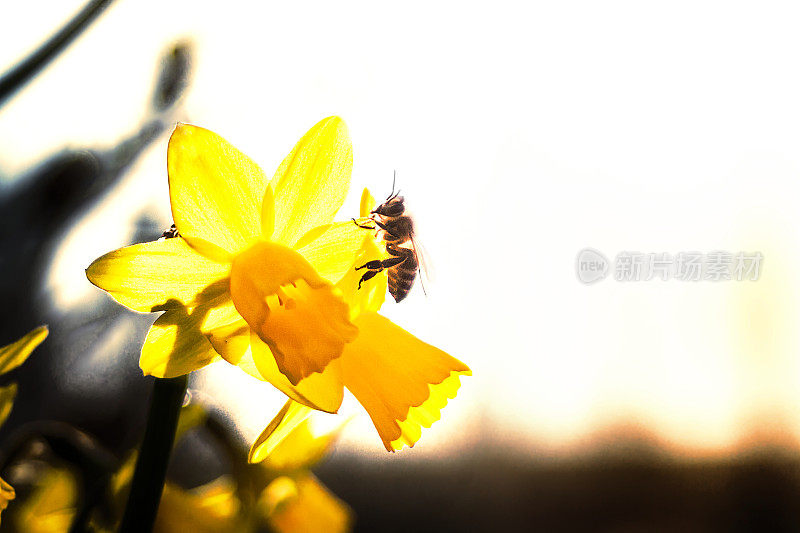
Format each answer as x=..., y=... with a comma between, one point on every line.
x=521, y=133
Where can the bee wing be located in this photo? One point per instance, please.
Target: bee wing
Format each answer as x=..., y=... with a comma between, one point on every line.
x=423, y=263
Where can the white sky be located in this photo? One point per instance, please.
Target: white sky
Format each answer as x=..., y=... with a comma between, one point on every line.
x=521, y=133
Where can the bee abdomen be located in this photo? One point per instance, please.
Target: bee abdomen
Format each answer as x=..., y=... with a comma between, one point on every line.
x=401, y=280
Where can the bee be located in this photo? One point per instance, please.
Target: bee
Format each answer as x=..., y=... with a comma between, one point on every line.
x=397, y=230
x=171, y=233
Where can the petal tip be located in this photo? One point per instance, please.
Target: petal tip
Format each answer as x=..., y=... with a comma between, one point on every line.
x=182, y=128
x=334, y=125
x=91, y=273
x=40, y=334
x=334, y=120
x=180, y=135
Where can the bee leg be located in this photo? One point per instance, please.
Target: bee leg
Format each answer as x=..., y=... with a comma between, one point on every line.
x=379, y=265
x=360, y=226
x=385, y=228
x=369, y=274
x=376, y=266
x=372, y=265
x=392, y=261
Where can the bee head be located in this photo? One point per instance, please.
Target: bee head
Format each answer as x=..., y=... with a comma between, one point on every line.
x=391, y=208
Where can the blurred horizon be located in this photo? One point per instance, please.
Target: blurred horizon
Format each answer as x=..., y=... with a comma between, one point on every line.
x=571, y=396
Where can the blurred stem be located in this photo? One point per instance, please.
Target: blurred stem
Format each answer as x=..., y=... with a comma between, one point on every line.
x=15, y=78
x=151, y=465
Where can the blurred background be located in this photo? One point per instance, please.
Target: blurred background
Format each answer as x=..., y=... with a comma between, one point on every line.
x=521, y=133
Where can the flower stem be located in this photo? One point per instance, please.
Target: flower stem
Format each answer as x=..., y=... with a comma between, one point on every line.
x=15, y=78
x=151, y=465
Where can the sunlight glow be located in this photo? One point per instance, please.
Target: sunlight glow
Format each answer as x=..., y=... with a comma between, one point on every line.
x=516, y=146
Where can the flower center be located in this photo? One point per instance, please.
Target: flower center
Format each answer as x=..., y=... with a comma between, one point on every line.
x=299, y=315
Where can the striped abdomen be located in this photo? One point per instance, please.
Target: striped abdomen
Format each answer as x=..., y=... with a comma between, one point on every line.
x=402, y=275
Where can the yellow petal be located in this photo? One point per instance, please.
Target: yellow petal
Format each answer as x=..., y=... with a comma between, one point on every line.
x=390, y=371
x=176, y=343
x=369, y=295
x=323, y=391
x=163, y=274
x=215, y=190
x=244, y=360
x=191, y=416
x=7, y=395
x=230, y=337
x=312, y=181
x=367, y=203
x=7, y=493
x=334, y=251
x=268, y=214
x=120, y=481
x=291, y=415
x=299, y=315
x=227, y=332
x=14, y=354
x=52, y=505
x=211, y=508
x=230, y=341
x=297, y=438
x=303, y=505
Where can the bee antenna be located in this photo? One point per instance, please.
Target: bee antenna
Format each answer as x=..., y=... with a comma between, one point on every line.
x=393, y=195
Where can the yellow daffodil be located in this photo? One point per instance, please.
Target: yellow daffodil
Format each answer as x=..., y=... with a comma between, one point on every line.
x=290, y=499
x=295, y=500
x=7, y=493
x=52, y=505
x=11, y=356
x=262, y=277
x=296, y=439
x=300, y=504
x=213, y=507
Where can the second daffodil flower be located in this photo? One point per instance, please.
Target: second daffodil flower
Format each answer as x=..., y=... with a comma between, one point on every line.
x=262, y=277
x=11, y=356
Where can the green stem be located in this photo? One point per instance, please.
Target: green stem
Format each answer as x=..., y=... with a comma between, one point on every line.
x=15, y=78
x=151, y=466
